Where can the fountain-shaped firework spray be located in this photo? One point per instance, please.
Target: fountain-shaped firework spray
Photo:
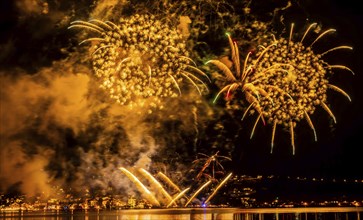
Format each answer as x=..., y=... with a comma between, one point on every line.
x=218, y=187
x=168, y=180
x=146, y=193
x=178, y=196
x=156, y=184
x=197, y=192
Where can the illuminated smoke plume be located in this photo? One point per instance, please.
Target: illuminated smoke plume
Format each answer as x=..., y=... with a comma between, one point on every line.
x=33, y=111
x=56, y=130
x=59, y=131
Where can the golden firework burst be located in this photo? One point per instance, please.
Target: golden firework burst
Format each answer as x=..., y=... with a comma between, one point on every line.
x=140, y=57
x=284, y=81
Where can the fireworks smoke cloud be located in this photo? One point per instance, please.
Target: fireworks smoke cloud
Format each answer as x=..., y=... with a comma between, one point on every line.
x=60, y=130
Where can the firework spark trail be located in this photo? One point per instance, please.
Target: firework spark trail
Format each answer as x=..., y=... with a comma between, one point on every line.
x=156, y=183
x=195, y=118
x=217, y=188
x=168, y=180
x=148, y=195
x=178, y=196
x=197, y=192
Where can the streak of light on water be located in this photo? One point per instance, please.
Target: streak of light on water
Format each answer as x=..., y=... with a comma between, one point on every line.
x=308, y=213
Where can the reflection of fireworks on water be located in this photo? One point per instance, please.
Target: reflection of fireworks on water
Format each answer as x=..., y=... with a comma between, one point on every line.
x=218, y=187
x=140, y=57
x=284, y=82
x=213, y=161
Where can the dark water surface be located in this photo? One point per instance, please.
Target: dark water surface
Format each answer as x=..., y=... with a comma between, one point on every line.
x=348, y=213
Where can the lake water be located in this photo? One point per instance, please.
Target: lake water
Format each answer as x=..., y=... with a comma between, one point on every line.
x=335, y=213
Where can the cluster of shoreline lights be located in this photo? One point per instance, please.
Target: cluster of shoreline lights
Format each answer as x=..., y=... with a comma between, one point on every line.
x=116, y=201
x=160, y=197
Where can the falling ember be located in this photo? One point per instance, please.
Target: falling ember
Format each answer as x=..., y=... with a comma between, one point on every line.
x=178, y=196
x=168, y=180
x=156, y=183
x=146, y=193
x=218, y=187
x=197, y=192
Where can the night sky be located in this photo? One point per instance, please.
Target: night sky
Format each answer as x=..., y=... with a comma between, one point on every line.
x=58, y=128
